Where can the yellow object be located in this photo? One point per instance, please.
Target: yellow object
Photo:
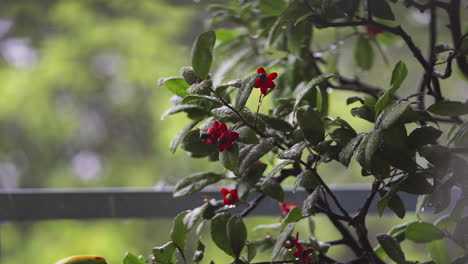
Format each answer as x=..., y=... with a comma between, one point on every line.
x=83, y=260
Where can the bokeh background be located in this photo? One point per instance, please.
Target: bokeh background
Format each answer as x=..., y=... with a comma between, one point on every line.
x=80, y=107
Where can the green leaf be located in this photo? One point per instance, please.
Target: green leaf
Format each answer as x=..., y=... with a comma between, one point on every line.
x=176, y=85
x=199, y=253
x=363, y=53
x=237, y=234
x=251, y=251
x=309, y=88
x=387, y=198
x=398, y=76
x=179, y=231
x=250, y=155
x=421, y=232
x=220, y=88
x=342, y=135
x=293, y=153
x=392, y=114
x=424, y=135
x=392, y=248
x=310, y=201
x=165, y=253
x=397, y=206
x=307, y=179
x=416, y=184
x=189, y=75
x=195, y=183
x=219, y=232
x=374, y=142
x=364, y=112
x=194, y=216
x=202, y=53
x=182, y=133
x=311, y=124
x=243, y=94
x=304, y=17
x=353, y=99
x=293, y=216
x=225, y=114
x=439, y=252
x=381, y=9
x=272, y=7
x=132, y=259
x=278, y=168
x=230, y=158
x=348, y=150
x=182, y=108
x=192, y=142
x=246, y=135
x=201, y=88
x=449, y=108
x=193, y=97
x=282, y=238
x=254, y=173
x=272, y=188
x=276, y=123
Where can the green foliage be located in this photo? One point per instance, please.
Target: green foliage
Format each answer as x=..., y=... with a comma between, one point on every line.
x=292, y=39
x=165, y=254
x=421, y=232
x=392, y=248
x=219, y=232
x=202, y=53
x=363, y=53
x=132, y=259
x=237, y=234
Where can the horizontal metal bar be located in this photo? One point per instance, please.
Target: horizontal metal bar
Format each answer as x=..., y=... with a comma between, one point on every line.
x=46, y=204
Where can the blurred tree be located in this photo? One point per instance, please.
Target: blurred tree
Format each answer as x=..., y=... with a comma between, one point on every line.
x=78, y=89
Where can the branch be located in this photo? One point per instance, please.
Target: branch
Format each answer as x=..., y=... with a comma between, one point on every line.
x=357, y=85
x=283, y=175
x=423, y=7
x=398, y=30
x=347, y=237
x=361, y=215
x=448, y=68
x=453, y=12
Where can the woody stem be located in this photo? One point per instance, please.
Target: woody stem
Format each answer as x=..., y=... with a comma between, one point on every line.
x=260, y=99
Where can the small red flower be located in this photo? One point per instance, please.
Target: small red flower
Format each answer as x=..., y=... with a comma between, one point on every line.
x=218, y=134
x=226, y=140
x=285, y=208
x=230, y=196
x=301, y=253
x=265, y=82
x=373, y=30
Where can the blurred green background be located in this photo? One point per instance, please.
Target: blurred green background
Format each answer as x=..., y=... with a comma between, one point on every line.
x=80, y=107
